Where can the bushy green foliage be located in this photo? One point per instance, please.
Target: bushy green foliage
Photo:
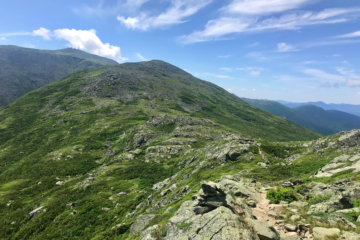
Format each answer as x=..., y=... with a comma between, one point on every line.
x=282, y=194
x=313, y=199
x=356, y=203
x=300, y=189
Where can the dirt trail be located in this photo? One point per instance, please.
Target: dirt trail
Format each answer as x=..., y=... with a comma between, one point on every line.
x=261, y=212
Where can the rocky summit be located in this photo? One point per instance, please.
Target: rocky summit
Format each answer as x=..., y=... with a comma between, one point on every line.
x=147, y=151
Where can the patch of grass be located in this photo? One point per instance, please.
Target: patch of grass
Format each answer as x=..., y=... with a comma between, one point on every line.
x=282, y=194
x=314, y=199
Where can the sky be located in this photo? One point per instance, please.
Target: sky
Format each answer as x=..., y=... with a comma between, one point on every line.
x=292, y=50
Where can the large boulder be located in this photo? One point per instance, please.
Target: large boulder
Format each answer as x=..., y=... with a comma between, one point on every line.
x=350, y=139
x=218, y=224
x=349, y=236
x=324, y=233
x=337, y=218
x=140, y=223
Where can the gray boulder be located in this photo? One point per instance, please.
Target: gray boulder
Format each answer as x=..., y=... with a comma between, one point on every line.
x=140, y=223
x=337, y=218
x=349, y=236
x=218, y=224
x=263, y=229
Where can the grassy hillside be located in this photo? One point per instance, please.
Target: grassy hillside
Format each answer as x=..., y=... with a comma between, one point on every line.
x=113, y=129
x=24, y=69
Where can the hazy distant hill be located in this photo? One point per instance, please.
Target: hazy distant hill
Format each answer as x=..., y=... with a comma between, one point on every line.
x=312, y=117
x=24, y=69
x=349, y=108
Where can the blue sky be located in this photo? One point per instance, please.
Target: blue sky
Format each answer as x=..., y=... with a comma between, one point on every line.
x=293, y=50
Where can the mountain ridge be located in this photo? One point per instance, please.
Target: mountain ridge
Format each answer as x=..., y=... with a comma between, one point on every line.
x=26, y=69
x=326, y=122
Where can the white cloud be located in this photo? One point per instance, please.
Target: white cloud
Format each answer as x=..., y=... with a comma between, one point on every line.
x=88, y=40
x=350, y=35
x=344, y=71
x=230, y=23
x=358, y=93
x=261, y=7
x=217, y=76
x=284, y=47
x=324, y=75
x=229, y=90
x=43, y=32
x=353, y=82
x=140, y=57
x=253, y=71
x=257, y=56
x=215, y=29
x=255, y=44
x=224, y=69
x=175, y=14
x=102, y=10
x=336, y=55
x=10, y=34
x=3, y=39
x=225, y=56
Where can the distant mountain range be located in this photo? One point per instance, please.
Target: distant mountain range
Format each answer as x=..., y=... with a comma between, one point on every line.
x=348, y=108
x=25, y=69
x=312, y=117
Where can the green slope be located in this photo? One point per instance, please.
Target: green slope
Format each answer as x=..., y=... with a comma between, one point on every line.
x=24, y=69
x=114, y=127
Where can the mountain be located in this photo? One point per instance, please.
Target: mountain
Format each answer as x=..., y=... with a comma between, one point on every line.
x=327, y=119
x=290, y=114
x=25, y=69
x=348, y=108
x=80, y=156
x=310, y=116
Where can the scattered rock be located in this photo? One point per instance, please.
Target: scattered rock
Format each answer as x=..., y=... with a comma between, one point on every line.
x=251, y=203
x=71, y=205
x=295, y=218
x=34, y=213
x=290, y=228
x=147, y=233
x=263, y=229
x=121, y=194
x=140, y=223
